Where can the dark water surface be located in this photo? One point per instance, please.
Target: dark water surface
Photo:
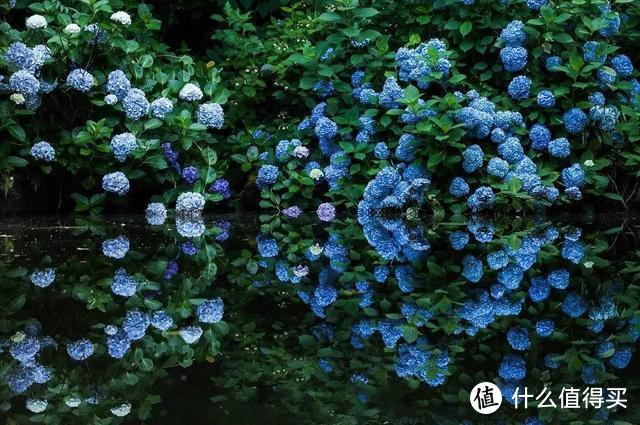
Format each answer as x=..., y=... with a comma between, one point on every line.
x=318, y=326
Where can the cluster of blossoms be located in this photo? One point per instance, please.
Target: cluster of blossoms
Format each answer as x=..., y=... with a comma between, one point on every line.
x=25, y=83
x=381, y=212
x=24, y=347
x=483, y=120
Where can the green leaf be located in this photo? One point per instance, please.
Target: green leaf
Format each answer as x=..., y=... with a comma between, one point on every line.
x=465, y=28
x=14, y=161
x=365, y=12
x=330, y=17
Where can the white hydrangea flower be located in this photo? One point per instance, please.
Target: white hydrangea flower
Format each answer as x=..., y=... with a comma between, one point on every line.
x=36, y=405
x=588, y=264
x=316, y=174
x=589, y=163
x=122, y=410
x=72, y=401
x=122, y=18
x=301, y=152
x=17, y=98
x=72, y=29
x=36, y=22
x=316, y=249
x=191, y=93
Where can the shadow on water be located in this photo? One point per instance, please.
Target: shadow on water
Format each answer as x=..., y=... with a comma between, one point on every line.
x=318, y=326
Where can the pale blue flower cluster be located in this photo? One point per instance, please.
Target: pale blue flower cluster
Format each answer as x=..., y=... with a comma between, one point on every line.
x=123, y=145
x=190, y=203
x=80, y=80
x=156, y=213
x=43, y=151
x=210, y=115
x=116, y=183
x=210, y=311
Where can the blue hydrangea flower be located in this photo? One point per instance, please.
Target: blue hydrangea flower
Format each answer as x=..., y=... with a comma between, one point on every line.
x=512, y=367
x=536, y=4
x=21, y=57
x=189, y=248
x=573, y=176
x=325, y=365
x=161, y=107
x=472, y=158
x=190, y=203
x=161, y=320
x=551, y=362
x=498, y=167
x=513, y=34
x=123, y=284
x=190, y=225
x=498, y=135
x=135, y=104
x=539, y=290
x=122, y=145
x=472, y=268
x=544, y=328
x=558, y=279
x=323, y=89
x=43, y=278
x=118, y=344
x=80, y=80
x=518, y=338
x=110, y=99
x=511, y=150
x=24, y=348
x=574, y=120
x=267, y=175
x=118, y=84
x=497, y=260
x=210, y=115
x=326, y=212
x=520, y=88
x=546, y=99
x=482, y=199
x=560, y=147
x=540, y=137
x=191, y=334
x=590, y=54
x=459, y=188
x=24, y=82
x=597, y=98
x=381, y=151
x=116, y=183
x=573, y=193
x=80, y=350
x=156, y=213
x=190, y=174
x=135, y=324
x=621, y=357
x=513, y=58
x=511, y=276
x=458, y=239
x=210, y=311
x=612, y=22
x=222, y=187
x=622, y=65
x=391, y=91
x=574, y=305
x=381, y=273
x=552, y=63
x=267, y=247
x=325, y=129
x=115, y=248
x=572, y=251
